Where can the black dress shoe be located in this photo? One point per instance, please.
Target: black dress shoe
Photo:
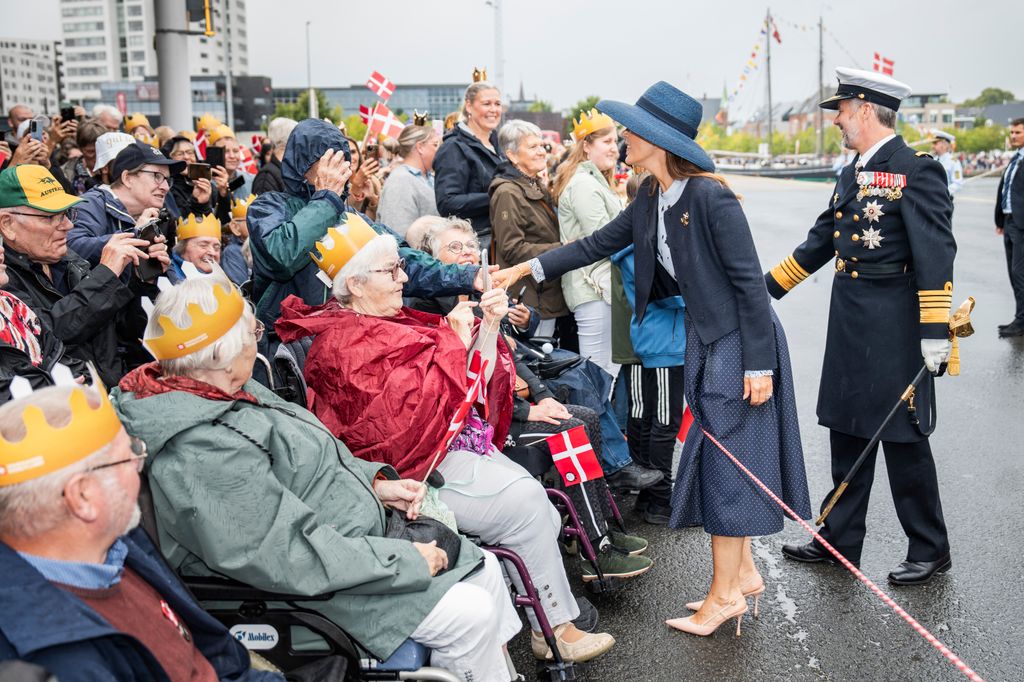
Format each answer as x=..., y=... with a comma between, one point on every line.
x=1013, y=329
x=811, y=553
x=919, y=572
x=657, y=514
x=633, y=477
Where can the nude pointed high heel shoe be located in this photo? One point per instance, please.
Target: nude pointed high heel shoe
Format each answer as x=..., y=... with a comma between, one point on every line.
x=754, y=592
x=733, y=610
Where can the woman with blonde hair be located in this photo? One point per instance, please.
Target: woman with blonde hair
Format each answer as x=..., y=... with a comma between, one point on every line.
x=408, y=192
x=692, y=238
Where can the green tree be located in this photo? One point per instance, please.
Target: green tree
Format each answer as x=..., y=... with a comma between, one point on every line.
x=584, y=105
x=990, y=96
x=981, y=139
x=300, y=109
x=539, y=106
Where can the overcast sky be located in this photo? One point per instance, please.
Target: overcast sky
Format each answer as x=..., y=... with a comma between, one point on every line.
x=564, y=50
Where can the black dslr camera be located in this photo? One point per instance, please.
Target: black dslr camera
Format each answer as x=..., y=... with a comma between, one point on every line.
x=161, y=225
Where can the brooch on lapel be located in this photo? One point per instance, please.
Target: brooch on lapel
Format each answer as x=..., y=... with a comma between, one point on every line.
x=835, y=198
x=685, y=220
x=888, y=185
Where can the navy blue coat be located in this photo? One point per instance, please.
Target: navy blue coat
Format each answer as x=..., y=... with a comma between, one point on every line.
x=45, y=625
x=715, y=261
x=463, y=170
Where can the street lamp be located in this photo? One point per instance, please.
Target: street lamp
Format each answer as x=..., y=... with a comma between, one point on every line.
x=309, y=77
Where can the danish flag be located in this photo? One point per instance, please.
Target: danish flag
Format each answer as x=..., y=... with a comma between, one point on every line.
x=685, y=427
x=459, y=419
x=883, y=65
x=382, y=121
x=200, y=144
x=381, y=85
x=257, y=143
x=574, y=456
x=364, y=113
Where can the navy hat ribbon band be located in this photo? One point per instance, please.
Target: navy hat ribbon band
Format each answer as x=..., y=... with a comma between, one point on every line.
x=665, y=117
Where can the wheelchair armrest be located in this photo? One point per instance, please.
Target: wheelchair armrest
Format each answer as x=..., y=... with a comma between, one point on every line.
x=225, y=589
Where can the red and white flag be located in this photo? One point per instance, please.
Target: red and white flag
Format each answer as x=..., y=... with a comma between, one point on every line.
x=364, y=113
x=257, y=143
x=687, y=423
x=248, y=162
x=459, y=419
x=574, y=456
x=381, y=85
x=883, y=65
x=200, y=145
x=383, y=122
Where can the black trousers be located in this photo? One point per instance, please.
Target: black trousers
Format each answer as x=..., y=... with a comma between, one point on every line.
x=656, y=399
x=1013, y=241
x=590, y=497
x=915, y=492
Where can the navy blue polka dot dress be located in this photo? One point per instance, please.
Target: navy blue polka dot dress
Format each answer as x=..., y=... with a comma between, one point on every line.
x=710, y=490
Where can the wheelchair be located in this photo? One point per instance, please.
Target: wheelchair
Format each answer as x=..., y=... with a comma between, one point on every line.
x=257, y=620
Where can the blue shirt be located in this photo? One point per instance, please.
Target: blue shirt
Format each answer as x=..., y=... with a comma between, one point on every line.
x=84, y=576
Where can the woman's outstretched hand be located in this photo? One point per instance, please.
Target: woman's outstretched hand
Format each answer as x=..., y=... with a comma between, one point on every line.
x=503, y=279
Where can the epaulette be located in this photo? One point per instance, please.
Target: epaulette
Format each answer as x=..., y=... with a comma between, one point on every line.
x=924, y=154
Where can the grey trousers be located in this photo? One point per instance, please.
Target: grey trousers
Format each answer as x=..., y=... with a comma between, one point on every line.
x=497, y=500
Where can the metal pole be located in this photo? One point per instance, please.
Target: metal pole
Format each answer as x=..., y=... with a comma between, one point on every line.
x=499, y=50
x=768, y=73
x=309, y=78
x=819, y=113
x=172, y=64
x=228, y=88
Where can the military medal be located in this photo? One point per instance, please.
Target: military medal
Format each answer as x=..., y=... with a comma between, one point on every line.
x=873, y=211
x=888, y=185
x=872, y=238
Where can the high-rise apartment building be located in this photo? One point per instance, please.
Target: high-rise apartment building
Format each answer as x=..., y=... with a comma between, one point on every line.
x=28, y=75
x=113, y=40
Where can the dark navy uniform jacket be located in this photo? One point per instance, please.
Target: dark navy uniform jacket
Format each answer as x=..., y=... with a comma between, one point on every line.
x=716, y=264
x=892, y=248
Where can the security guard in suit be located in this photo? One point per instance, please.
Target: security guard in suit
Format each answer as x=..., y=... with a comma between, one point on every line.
x=942, y=150
x=887, y=232
x=1010, y=225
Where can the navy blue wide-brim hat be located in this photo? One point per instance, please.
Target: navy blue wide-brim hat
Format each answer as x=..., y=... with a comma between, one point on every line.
x=666, y=117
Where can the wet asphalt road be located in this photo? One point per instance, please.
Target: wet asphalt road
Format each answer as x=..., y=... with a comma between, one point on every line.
x=818, y=622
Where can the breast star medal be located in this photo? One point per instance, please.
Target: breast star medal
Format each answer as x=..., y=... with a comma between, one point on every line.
x=873, y=211
x=872, y=238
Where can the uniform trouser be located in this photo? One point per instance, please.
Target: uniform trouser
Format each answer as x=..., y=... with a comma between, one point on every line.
x=519, y=517
x=591, y=497
x=1013, y=241
x=466, y=629
x=915, y=493
x=656, y=399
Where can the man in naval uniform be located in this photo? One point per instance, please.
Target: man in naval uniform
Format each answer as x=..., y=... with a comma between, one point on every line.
x=888, y=235
x=942, y=150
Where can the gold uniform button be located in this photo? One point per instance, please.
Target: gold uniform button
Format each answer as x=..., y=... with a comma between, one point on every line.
x=855, y=237
x=854, y=259
x=854, y=274
x=836, y=234
x=839, y=215
x=856, y=218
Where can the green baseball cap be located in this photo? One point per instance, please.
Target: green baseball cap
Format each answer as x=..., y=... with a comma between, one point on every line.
x=34, y=186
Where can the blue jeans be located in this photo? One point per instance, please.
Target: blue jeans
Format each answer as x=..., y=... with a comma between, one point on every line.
x=614, y=451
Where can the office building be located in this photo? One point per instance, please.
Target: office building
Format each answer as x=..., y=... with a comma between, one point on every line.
x=28, y=75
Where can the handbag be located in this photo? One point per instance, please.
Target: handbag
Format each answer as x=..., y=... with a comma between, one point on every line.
x=426, y=530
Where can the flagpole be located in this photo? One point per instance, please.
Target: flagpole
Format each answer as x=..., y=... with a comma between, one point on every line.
x=768, y=73
x=313, y=113
x=820, y=113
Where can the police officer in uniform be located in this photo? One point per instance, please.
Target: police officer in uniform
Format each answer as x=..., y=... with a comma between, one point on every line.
x=942, y=149
x=888, y=235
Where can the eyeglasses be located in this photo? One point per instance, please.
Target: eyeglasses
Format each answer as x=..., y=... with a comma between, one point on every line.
x=258, y=330
x=458, y=247
x=158, y=177
x=399, y=265
x=53, y=220
x=139, y=456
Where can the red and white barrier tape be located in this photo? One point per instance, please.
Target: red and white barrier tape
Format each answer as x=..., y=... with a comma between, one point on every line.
x=920, y=629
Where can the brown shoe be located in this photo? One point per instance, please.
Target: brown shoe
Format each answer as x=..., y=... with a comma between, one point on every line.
x=591, y=645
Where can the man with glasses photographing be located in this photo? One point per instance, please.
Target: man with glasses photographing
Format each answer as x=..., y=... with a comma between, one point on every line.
x=81, y=305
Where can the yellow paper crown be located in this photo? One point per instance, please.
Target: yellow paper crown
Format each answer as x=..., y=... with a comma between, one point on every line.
x=203, y=226
x=205, y=328
x=589, y=122
x=207, y=122
x=47, y=448
x=133, y=121
x=240, y=207
x=220, y=132
x=341, y=243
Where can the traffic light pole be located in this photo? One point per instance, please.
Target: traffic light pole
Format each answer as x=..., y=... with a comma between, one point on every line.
x=172, y=64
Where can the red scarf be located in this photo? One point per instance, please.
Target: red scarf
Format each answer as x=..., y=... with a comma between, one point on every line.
x=147, y=380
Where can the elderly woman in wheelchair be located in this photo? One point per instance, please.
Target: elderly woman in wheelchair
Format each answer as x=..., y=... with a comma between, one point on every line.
x=389, y=380
x=249, y=487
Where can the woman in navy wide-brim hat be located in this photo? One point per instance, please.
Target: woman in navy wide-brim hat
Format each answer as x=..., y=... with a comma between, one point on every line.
x=691, y=238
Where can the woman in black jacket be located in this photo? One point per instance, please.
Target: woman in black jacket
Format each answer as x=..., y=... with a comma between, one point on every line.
x=466, y=161
x=692, y=239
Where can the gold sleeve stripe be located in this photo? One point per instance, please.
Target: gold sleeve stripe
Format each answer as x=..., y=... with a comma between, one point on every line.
x=935, y=305
x=788, y=273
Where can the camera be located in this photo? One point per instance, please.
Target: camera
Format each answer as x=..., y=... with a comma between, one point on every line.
x=161, y=225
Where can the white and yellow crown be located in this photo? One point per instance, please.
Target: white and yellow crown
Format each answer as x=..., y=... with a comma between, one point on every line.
x=204, y=329
x=240, y=207
x=590, y=122
x=47, y=448
x=340, y=244
x=202, y=226
x=207, y=122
